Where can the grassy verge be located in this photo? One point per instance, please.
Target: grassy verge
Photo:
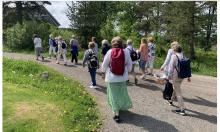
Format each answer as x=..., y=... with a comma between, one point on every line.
x=31, y=103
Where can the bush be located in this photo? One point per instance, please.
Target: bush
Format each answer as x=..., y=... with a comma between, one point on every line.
x=19, y=37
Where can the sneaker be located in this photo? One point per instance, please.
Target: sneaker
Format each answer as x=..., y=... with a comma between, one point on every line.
x=117, y=119
x=92, y=87
x=65, y=64
x=57, y=63
x=181, y=112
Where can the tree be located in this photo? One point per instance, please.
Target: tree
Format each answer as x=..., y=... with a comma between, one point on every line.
x=87, y=17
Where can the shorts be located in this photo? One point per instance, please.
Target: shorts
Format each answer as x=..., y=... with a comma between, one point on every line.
x=150, y=64
x=38, y=51
x=142, y=64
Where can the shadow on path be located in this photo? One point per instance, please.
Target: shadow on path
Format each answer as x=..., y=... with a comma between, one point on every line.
x=70, y=65
x=150, y=87
x=146, y=122
x=201, y=101
x=102, y=89
x=46, y=61
x=210, y=118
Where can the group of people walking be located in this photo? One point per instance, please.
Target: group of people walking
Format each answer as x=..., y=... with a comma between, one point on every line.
x=57, y=47
x=118, y=62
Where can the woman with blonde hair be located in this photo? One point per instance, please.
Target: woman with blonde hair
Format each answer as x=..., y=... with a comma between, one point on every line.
x=116, y=65
x=164, y=67
x=143, y=56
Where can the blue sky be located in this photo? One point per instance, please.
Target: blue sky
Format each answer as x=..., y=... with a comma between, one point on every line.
x=58, y=9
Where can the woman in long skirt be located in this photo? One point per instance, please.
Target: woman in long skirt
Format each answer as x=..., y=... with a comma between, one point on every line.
x=116, y=65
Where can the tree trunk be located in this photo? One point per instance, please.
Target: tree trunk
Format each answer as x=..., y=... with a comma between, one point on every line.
x=192, y=32
x=19, y=12
x=209, y=28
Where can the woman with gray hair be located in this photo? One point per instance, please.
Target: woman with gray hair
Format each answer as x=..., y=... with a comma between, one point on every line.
x=132, y=51
x=61, y=50
x=116, y=65
x=105, y=48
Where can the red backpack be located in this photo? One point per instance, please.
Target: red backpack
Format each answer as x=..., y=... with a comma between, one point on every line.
x=117, y=61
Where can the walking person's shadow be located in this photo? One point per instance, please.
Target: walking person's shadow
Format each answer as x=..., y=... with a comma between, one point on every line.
x=146, y=122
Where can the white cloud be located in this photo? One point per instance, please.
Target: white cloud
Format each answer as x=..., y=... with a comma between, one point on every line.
x=58, y=10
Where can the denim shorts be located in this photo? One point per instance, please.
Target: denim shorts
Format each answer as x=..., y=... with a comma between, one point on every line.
x=142, y=64
x=150, y=64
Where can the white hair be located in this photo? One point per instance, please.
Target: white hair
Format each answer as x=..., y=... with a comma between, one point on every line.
x=129, y=42
x=105, y=41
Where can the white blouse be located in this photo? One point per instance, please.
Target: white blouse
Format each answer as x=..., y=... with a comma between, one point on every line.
x=109, y=76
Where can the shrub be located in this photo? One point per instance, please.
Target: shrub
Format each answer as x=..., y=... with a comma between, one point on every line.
x=19, y=37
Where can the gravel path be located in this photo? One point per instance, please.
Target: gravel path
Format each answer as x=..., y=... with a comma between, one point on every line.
x=150, y=112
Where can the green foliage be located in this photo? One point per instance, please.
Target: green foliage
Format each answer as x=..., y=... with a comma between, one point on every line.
x=78, y=109
x=19, y=37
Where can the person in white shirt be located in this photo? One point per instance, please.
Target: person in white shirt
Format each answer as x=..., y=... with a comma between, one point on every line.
x=62, y=46
x=117, y=93
x=164, y=67
x=130, y=48
x=38, y=46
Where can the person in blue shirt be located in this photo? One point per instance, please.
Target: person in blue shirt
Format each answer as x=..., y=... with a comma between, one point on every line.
x=52, y=46
x=74, y=49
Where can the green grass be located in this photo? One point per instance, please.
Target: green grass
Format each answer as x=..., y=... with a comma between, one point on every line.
x=34, y=104
x=205, y=63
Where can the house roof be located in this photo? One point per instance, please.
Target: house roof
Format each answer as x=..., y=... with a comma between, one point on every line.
x=49, y=17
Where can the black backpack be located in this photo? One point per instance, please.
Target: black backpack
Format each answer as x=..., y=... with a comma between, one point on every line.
x=93, y=60
x=54, y=43
x=184, y=68
x=63, y=45
x=133, y=55
x=168, y=91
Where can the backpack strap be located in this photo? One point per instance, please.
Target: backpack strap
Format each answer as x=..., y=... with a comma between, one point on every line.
x=178, y=63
